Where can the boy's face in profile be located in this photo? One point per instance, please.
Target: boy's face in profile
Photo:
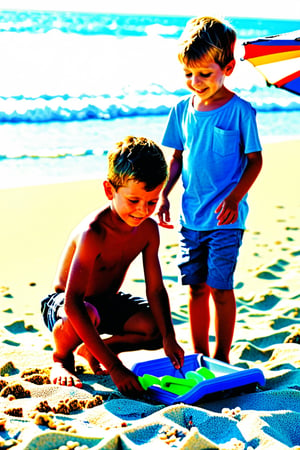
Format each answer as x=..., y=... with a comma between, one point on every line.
x=206, y=78
x=132, y=202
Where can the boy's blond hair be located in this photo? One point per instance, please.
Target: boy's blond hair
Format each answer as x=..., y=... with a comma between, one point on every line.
x=139, y=159
x=207, y=38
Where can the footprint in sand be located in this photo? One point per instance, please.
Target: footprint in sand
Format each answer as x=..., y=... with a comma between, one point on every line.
x=279, y=266
x=270, y=340
x=266, y=275
x=13, y=343
x=266, y=302
x=251, y=352
x=19, y=327
x=48, y=347
x=283, y=322
x=241, y=310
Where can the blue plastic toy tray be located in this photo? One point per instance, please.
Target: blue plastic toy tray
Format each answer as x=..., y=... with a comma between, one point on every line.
x=227, y=379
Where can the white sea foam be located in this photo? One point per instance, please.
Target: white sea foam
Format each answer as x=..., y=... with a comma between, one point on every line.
x=73, y=84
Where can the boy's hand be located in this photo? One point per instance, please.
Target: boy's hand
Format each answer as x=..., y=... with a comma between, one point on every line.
x=173, y=351
x=228, y=212
x=164, y=214
x=125, y=380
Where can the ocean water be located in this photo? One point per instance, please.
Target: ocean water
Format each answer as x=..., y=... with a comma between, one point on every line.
x=72, y=84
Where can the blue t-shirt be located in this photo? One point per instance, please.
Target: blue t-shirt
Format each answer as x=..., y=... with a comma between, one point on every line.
x=214, y=145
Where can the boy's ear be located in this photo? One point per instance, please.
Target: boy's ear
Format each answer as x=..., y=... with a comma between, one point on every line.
x=108, y=189
x=229, y=67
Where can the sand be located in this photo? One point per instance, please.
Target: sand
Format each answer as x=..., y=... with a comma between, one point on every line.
x=35, y=223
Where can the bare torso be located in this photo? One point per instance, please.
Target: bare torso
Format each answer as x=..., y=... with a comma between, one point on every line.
x=110, y=246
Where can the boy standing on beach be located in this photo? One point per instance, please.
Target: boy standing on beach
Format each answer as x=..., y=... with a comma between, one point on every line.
x=218, y=154
x=87, y=302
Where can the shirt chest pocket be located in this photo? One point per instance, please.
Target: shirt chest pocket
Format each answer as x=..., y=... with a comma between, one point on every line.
x=225, y=142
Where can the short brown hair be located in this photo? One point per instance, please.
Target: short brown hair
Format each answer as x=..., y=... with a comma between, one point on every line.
x=139, y=159
x=207, y=37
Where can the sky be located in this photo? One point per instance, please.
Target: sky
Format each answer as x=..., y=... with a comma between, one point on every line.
x=289, y=9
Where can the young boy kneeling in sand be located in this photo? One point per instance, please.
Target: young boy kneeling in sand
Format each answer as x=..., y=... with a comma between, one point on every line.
x=87, y=301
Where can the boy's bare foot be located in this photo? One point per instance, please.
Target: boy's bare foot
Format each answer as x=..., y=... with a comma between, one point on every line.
x=93, y=362
x=61, y=376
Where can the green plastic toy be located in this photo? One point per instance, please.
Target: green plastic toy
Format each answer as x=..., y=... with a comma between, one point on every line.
x=206, y=373
x=148, y=380
x=193, y=375
x=178, y=386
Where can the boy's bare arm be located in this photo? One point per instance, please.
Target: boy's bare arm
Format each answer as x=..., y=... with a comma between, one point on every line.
x=62, y=273
x=158, y=298
x=228, y=210
x=75, y=310
x=60, y=281
x=174, y=174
